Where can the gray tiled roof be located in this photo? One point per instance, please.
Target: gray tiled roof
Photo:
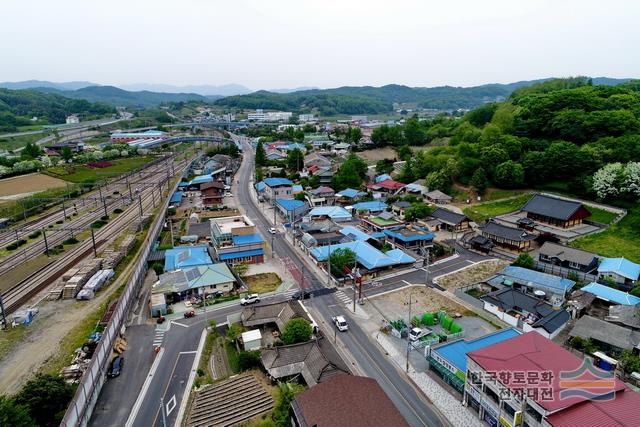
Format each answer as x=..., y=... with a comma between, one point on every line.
x=551, y=206
x=448, y=216
x=566, y=253
x=514, y=234
x=609, y=333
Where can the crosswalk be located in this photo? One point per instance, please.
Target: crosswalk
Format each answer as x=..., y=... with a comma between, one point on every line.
x=343, y=297
x=158, y=338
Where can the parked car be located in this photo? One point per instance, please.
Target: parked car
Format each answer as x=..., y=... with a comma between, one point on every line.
x=417, y=333
x=306, y=294
x=189, y=313
x=116, y=367
x=272, y=230
x=250, y=299
x=340, y=322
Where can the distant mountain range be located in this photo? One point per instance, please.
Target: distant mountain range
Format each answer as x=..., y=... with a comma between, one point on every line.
x=372, y=100
x=341, y=100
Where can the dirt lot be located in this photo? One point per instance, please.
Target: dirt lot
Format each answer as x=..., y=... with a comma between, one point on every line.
x=377, y=154
x=395, y=305
x=262, y=282
x=34, y=182
x=470, y=275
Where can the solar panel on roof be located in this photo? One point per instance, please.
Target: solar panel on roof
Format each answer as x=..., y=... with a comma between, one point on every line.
x=183, y=256
x=386, y=215
x=192, y=274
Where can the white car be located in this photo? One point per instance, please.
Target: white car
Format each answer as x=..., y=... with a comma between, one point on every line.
x=250, y=299
x=417, y=333
x=228, y=195
x=340, y=323
x=272, y=230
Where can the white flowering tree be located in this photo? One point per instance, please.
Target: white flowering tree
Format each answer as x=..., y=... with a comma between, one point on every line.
x=26, y=166
x=607, y=180
x=124, y=153
x=632, y=178
x=616, y=179
x=46, y=161
x=4, y=170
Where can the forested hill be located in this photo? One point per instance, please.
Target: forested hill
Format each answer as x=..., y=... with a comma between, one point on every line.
x=553, y=135
x=371, y=100
x=17, y=107
x=118, y=97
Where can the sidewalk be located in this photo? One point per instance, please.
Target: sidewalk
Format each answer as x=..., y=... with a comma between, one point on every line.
x=452, y=409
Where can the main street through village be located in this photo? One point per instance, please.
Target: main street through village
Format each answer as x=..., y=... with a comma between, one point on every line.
x=151, y=379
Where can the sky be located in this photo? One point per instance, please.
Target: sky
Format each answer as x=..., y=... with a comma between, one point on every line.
x=268, y=44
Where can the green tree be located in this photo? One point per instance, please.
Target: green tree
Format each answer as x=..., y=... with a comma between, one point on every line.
x=295, y=160
x=300, y=196
x=439, y=180
x=384, y=166
x=31, y=151
x=414, y=133
x=261, y=155
x=418, y=211
x=12, y=414
x=479, y=181
x=350, y=173
x=491, y=157
x=404, y=152
x=46, y=398
x=296, y=330
x=233, y=333
x=66, y=153
x=524, y=260
x=248, y=360
x=509, y=174
x=341, y=258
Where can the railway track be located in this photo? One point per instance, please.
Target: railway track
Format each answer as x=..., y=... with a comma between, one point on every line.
x=83, y=222
x=19, y=294
x=81, y=204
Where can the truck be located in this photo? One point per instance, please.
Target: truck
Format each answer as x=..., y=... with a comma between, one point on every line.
x=340, y=323
x=417, y=333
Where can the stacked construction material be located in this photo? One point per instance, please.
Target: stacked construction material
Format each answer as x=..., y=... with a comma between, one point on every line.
x=127, y=243
x=111, y=258
x=76, y=282
x=94, y=284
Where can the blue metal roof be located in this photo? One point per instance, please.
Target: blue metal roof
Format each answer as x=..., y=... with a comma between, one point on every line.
x=524, y=276
x=186, y=256
x=381, y=178
x=456, y=351
x=351, y=193
x=261, y=186
x=374, y=206
x=176, y=197
x=333, y=212
x=355, y=233
x=291, y=205
x=247, y=239
x=201, y=179
x=419, y=236
x=620, y=266
x=609, y=294
x=276, y=182
x=297, y=188
x=241, y=254
x=366, y=255
x=183, y=184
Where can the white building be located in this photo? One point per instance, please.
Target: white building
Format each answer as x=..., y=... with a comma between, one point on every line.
x=72, y=119
x=270, y=116
x=306, y=118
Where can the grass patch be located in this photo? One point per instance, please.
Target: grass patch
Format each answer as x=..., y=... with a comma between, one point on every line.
x=80, y=174
x=619, y=240
x=204, y=376
x=262, y=282
x=484, y=211
x=600, y=215
x=232, y=357
x=498, y=194
x=14, y=142
x=11, y=336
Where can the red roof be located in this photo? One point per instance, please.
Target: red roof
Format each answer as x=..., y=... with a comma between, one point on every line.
x=623, y=411
x=347, y=400
x=390, y=184
x=533, y=352
x=313, y=169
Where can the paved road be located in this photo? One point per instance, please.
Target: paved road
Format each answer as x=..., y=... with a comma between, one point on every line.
x=416, y=409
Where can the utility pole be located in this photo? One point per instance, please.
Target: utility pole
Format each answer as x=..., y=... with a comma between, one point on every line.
x=408, y=341
x=46, y=244
x=171, y=230
x=4, y=317
x=104, y=204
x=93, y=240
x=329, y=266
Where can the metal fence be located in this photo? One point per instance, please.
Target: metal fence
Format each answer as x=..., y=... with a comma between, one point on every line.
x=81, y=407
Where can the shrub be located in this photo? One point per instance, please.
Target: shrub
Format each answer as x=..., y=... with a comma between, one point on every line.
x=104, y=217
x=97, y=224
x=248, y=360
x=296, y=330
x=524, y=260
x=35, y=234
x=117, y=211
x=70, y=241
x=158, y=268
x=11, y=247
x=59, y=221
